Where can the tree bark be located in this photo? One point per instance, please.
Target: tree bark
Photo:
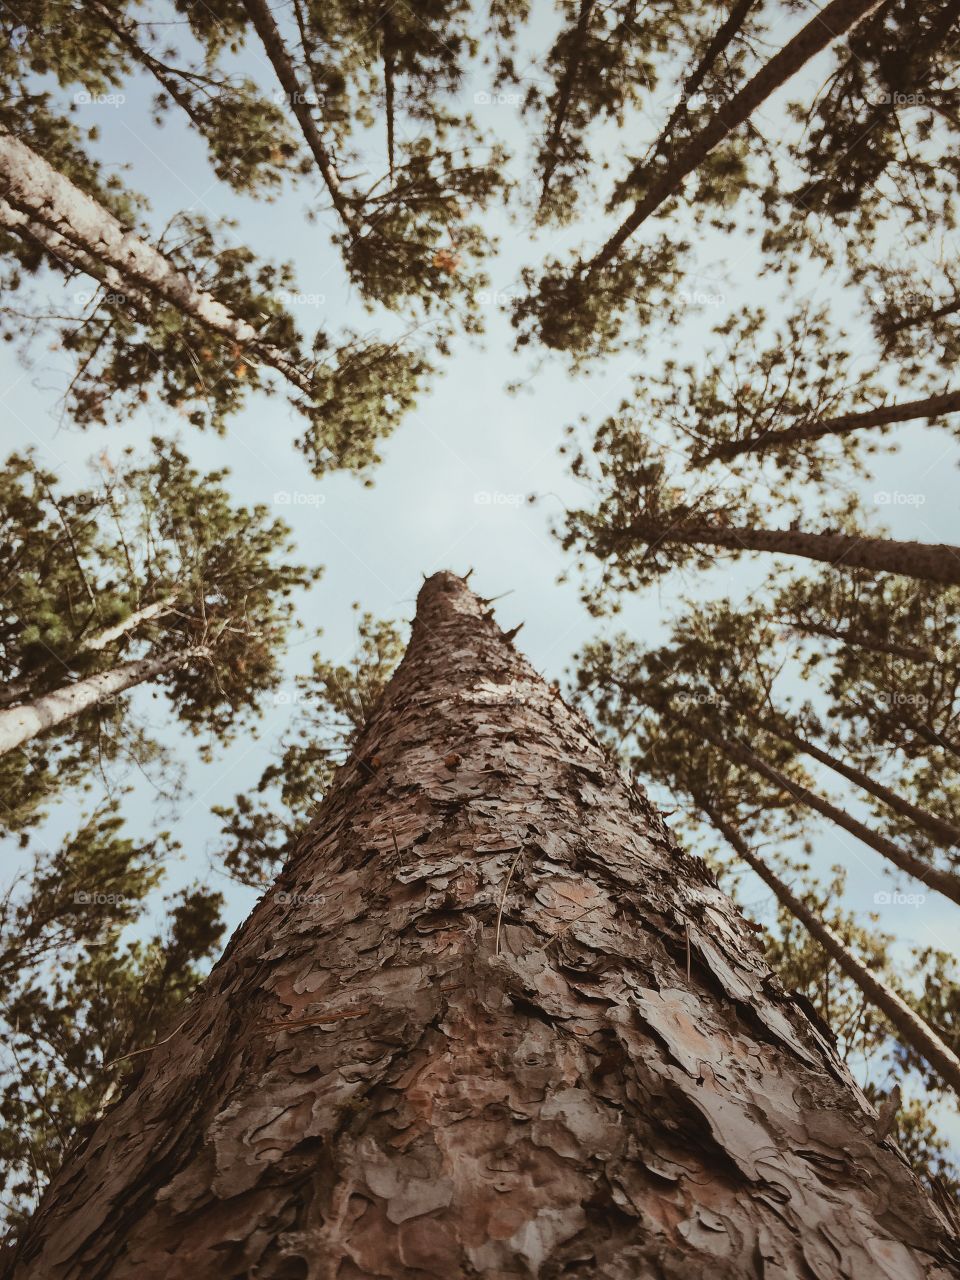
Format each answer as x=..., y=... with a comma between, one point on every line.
x=490, y=1021
x=907, y=1024
x=945, y=882
x=941, y=830
x=21, y=723
x=833, y=21
x=728, y=30
x=843, y=424
x=272, y=41
x=89, y=237
x=929, y=562
x=565, y=89
x=18, y=689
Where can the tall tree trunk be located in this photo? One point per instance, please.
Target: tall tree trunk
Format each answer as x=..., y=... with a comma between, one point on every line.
x=490, y=1021
x=937, y=827
x=21, y=723
x=272, y=41
x=842, y=425
x=728, y=30
x=907, y=1024
x=859, y=640
x=929, y=562
x=832, y=21
x=16, y=690
x=551, y=147
x=88, y=236
x=945, y=882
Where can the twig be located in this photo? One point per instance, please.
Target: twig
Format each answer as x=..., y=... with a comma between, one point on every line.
x=149, y=1048
x=569, y=925
x=503, y=898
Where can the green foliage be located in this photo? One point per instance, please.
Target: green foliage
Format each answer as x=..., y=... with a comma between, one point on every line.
x=152, y=533
x=77, y=993
x=332, y=704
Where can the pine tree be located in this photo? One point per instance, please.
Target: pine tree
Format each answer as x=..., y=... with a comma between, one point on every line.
x=582, y=973
x=202, y=347
x=156, y=575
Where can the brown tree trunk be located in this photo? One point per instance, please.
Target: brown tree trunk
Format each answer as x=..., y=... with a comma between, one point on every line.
x=929, y=562
x=725, y=34
x=551, y=147
x=941, y=830
x=945, y=882
x=266, y=28
x=491, y=1021
x=842, y=425
x=833, y=20
x=911, y=1029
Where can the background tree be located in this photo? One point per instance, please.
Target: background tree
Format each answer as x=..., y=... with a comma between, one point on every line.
x=156, y=566
x=332, y=702
x=77, y=994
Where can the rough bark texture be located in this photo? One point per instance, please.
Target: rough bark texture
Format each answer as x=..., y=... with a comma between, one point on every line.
x=928, y=561
x=365, y=1088
x=833, y=21
x=908, y=1025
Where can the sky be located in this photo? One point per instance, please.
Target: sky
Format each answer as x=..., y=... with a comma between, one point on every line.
x=451, y=490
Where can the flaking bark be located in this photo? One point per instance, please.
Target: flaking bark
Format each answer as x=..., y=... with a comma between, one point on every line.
x=363, y=1088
